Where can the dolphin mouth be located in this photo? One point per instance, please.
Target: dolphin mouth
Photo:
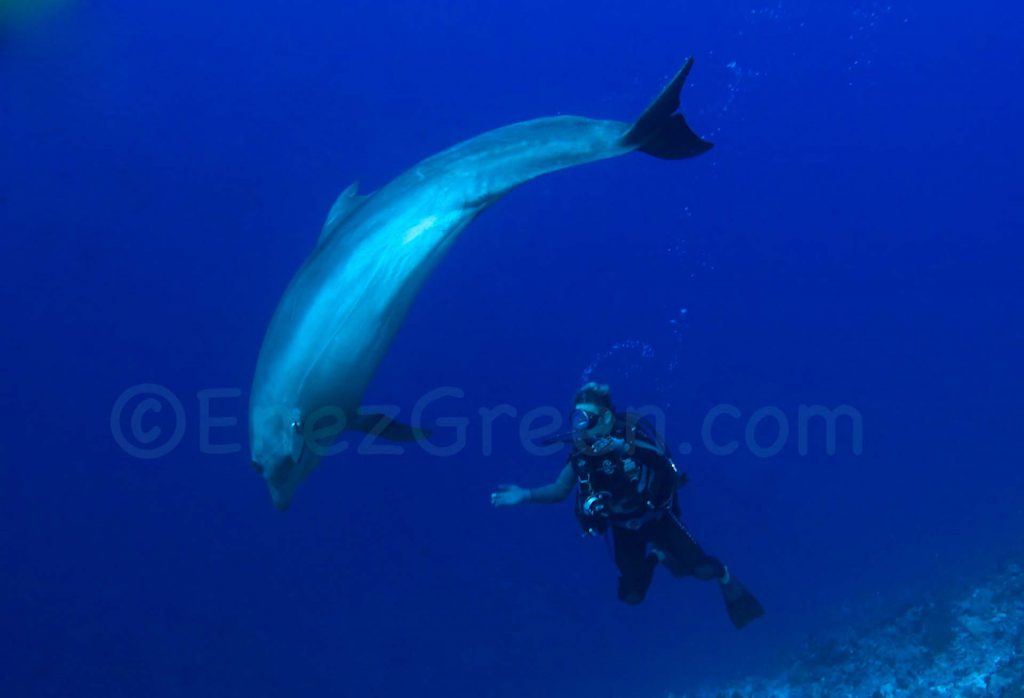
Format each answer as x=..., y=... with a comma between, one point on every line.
x=277, y=482
x=282, y=489
x=284, y=477
x=281, y=500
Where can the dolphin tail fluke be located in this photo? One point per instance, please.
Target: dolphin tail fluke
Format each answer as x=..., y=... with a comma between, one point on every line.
x=662, y=132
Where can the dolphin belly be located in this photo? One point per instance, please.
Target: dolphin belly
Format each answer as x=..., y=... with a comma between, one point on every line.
x=342, y=309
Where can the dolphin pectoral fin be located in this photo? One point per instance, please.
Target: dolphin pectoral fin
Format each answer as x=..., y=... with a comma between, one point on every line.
x=379, y=424
x=662, y=132
x=347, y=203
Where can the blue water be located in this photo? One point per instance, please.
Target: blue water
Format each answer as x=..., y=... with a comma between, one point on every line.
x=853, y=239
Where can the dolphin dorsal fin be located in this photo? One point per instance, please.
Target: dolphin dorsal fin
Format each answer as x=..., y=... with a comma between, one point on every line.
x=347, y=203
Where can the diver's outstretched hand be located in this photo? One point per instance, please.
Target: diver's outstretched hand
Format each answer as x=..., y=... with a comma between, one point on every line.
x=509, y=496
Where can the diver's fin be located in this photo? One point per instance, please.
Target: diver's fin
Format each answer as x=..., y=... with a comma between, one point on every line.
x=663, y=133
x=379, y=424
x=740, y=603
x=347, y=203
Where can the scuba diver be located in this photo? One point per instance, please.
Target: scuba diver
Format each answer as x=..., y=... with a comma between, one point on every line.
x=626, y=482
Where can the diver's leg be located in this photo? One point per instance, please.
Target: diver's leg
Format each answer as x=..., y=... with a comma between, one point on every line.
x=682, y=554
x=636, y=567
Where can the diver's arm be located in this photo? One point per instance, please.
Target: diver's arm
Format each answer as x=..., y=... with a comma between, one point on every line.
x=511, y=495
x=557, y=491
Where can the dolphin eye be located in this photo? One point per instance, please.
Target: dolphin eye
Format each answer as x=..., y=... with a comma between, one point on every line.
x=257, y=467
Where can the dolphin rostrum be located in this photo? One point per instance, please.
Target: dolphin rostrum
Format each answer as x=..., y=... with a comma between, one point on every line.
x=345, y=304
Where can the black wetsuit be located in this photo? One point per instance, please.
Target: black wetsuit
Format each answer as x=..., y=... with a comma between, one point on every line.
x=633, y=490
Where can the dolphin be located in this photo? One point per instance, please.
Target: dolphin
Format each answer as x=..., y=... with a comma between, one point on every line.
x=346, y=302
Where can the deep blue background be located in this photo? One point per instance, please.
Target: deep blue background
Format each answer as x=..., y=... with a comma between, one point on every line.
x=854, y=238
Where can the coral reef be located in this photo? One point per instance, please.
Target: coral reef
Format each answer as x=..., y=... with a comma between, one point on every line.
x=971, y=644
